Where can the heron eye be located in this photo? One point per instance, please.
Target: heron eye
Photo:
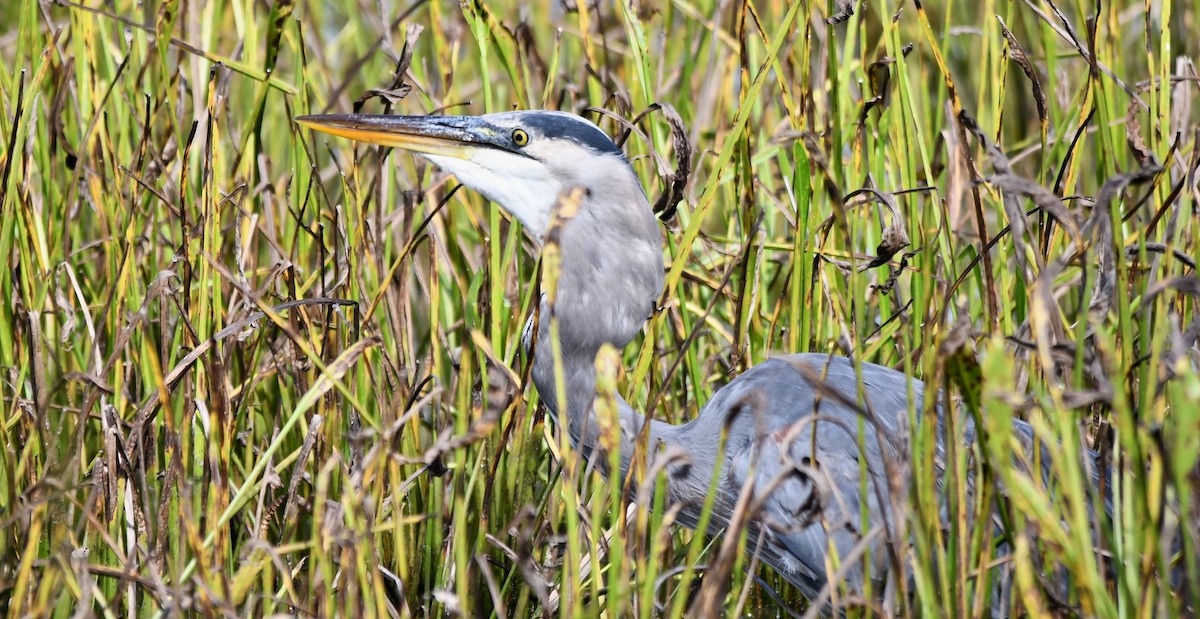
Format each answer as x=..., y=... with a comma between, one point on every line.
x=519, y=137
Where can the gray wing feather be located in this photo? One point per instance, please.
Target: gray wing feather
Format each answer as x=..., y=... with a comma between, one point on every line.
x=802, y=454
x=808, y=452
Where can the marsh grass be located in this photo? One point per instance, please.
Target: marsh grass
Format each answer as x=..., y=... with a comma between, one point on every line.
x=247, y=370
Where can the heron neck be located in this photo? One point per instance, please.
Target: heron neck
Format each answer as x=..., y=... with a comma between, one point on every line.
x=610, y=280
x=579, y=383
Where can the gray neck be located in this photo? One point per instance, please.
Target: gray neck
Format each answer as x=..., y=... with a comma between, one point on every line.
x=611, y=277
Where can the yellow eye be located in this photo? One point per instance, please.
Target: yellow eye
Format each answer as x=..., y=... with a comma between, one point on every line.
x=519, y=137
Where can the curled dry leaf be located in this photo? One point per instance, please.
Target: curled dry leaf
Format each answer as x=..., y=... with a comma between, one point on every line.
x=894, y=273
x=675, y=181
x=880, y=75
x=1100, y=226
x=1184, y=285
x=390, y=95
x=1044, y=321
x=1017, y=53
x=845, y=9
x=1133, y=136
x=1132, y=252
x=894, y=237
x=314, y=428
x=1042, y=197
x=398, y=89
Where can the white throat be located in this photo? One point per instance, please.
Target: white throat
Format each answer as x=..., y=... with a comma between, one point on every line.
x=524, y=191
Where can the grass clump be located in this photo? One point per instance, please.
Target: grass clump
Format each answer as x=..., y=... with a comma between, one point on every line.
x=247, y=371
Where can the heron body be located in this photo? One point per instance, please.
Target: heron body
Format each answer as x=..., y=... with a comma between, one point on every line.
x=797, y=443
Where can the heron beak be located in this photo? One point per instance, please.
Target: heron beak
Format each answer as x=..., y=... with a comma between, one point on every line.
x=449, y=136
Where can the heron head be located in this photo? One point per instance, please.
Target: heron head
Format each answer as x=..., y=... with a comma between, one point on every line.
x=520, y=160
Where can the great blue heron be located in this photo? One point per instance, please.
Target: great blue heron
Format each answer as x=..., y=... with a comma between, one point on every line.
x=792, y=424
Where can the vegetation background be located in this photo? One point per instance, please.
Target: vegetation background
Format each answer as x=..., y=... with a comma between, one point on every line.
x=247, y=370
